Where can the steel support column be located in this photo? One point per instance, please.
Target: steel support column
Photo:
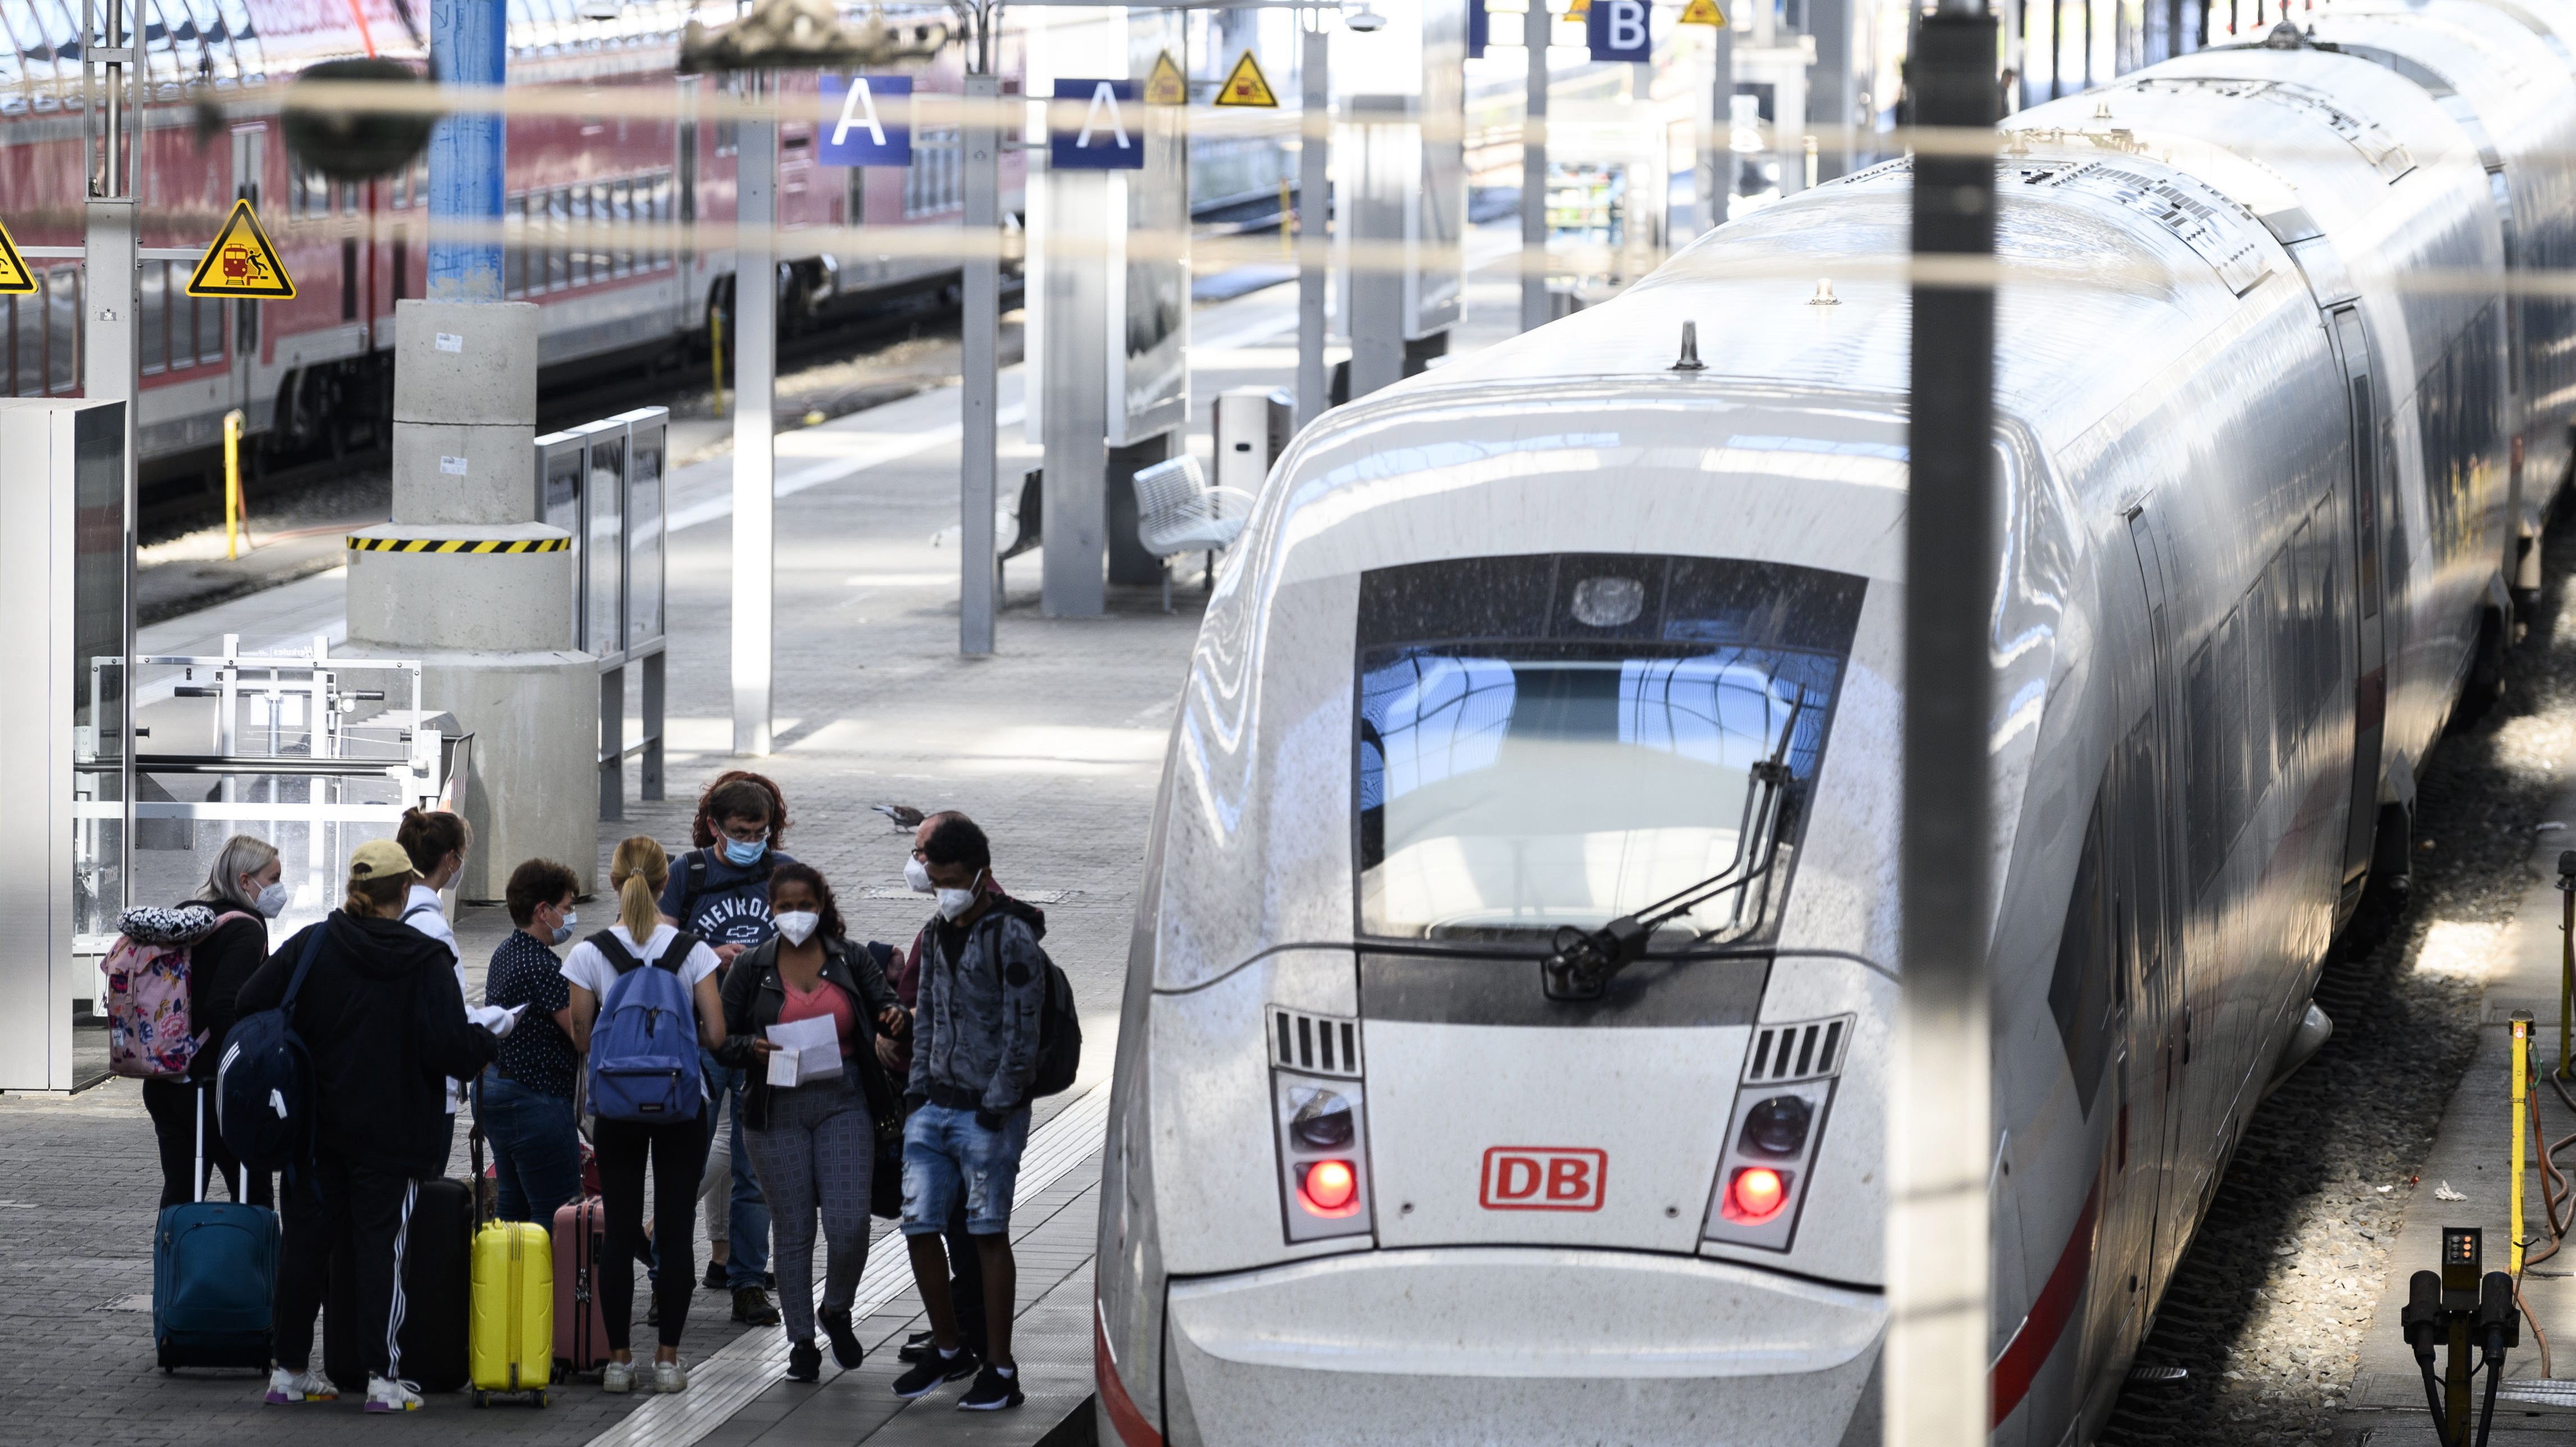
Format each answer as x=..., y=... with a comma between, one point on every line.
x=1534, y=35
x=979, y=577
x=755, y=302
x=1940, y=1136
x=469, y=45
x=1314, y=213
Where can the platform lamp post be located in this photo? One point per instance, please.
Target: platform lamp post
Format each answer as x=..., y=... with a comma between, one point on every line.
x=1940, y=1138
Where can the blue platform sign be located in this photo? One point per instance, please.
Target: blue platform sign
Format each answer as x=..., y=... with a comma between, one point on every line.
x=1480, y=29
x=1616, y=30
x=1093, y=126
x=867, y=121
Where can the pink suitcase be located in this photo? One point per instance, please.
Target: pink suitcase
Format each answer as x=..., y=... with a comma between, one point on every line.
x=581, y=1330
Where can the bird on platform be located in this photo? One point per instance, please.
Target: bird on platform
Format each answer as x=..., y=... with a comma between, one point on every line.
x=904, y=815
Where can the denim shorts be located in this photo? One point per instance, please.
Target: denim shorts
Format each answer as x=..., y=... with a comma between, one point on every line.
x=945, y=1153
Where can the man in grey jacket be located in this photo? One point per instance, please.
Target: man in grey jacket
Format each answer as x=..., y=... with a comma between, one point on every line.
x=982, y=993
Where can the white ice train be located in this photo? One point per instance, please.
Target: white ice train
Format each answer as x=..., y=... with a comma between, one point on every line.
x=1546, y=638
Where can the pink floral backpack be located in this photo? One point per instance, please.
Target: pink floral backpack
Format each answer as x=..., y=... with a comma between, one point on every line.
x=149, y=1035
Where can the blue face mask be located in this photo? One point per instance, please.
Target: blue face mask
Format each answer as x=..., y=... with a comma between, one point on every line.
x=737, y=851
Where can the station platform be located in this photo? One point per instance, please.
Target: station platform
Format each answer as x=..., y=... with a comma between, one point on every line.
x=1054, y=744
x=2466, y=1178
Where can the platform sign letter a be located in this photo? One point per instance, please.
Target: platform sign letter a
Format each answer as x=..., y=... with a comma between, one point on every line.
x=1088, y=127
x=1617, y=30
x=866, y=121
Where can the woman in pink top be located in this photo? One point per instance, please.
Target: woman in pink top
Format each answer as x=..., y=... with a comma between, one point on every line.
x=813, y=1144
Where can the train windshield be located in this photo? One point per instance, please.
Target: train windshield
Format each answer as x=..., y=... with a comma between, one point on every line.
x=1564, y=739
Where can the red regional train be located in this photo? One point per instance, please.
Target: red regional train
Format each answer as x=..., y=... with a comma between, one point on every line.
x=314, y=374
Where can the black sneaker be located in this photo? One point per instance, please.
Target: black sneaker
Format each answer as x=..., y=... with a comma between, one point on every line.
x=751, y=1308
x=845, y=1342
x=915, y=1347
x=804, y=1362
x=993, y=1390
x=935, y=1369
x=715, y=1277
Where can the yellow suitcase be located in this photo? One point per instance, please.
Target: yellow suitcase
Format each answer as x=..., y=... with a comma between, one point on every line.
x=511, y=1345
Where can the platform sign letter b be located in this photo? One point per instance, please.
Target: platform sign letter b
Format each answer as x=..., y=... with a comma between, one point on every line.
x=1618, y=30
x=1092, y=126
x=866, y=121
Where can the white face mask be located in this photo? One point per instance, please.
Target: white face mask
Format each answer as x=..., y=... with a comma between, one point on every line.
x=954, y=902
x=563, y=931
x=273, y=900
x=917, y=874
x=798, y=925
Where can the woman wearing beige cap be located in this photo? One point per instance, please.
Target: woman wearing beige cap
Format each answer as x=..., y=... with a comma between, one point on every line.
x=380, y=1013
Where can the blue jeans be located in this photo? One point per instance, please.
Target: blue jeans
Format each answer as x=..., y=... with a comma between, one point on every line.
x=747, y=1215
x=536, y=1149
x=946, y=1156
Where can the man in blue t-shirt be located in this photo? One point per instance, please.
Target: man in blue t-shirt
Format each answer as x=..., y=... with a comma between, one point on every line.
x=720, y=893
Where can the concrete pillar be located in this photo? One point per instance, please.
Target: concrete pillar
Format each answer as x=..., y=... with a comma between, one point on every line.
x=492, y=629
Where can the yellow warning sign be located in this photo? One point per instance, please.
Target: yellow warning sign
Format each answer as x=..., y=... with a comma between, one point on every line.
x=15, y=278
x=1245, y=85
x=1577, y=9
x=242, y=262
x=1703, y=12
x=1166, y=86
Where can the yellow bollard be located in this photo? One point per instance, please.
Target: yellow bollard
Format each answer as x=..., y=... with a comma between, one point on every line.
x=715, y=352
x=232, y=484
x=2521, y=1126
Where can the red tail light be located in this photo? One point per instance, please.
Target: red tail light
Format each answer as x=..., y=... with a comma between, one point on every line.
x=1756, y=1194
x=1329, y=1188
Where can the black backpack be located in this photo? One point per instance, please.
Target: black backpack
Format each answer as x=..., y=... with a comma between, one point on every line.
x=1059, y=1035
x=264, y=1083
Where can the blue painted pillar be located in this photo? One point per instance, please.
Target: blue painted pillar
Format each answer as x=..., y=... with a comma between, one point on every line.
x=469, y=44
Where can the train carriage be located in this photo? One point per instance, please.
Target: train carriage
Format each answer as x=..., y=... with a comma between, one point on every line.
x=1563, y=637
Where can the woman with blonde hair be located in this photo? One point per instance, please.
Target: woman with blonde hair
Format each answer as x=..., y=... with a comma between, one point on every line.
x=621, y=985
x=228, y=924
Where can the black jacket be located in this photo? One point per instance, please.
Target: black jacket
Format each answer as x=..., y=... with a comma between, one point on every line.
x=218, y=966
x=382, y=1015
x=754, y=996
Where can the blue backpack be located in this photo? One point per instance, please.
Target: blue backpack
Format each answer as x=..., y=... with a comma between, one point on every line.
x=264, y=1081
x=644, y=1050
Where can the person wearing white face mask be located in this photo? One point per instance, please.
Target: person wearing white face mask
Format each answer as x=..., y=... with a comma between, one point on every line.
x=437, y=842
x=813, y=1142
x=245, y=889
x=524, y=1100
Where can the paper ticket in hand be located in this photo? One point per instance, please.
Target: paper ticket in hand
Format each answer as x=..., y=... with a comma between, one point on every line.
x=808, y=1050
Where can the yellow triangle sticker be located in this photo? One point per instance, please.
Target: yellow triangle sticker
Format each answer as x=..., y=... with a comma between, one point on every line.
x=1245, y=85
x=1703, y=12
x=15, y=278
x=242, y=262
x=1166, y=86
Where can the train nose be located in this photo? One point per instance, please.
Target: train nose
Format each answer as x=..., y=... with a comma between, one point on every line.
x=1564, y=1345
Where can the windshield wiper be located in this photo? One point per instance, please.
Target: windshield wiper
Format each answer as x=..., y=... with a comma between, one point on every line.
x=1582, y=961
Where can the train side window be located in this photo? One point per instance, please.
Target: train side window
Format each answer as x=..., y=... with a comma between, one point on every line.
x=152, y=311
x=2259, y=742
x=62, y=330
x=2287, y=669
x=558, y=240
x=2200, y=762
x=514, y=247
x=210, y=330
x=2234, y=741
x=663, y=219
x=2079, y=988
x=623, y=201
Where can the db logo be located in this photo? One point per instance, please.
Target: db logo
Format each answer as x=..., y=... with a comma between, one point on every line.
x=1544, y=1178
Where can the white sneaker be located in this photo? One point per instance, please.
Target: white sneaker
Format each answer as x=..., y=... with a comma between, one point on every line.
x=286, y=1388
x=385, y=1396
x=617, y=1377
x=670, y=1377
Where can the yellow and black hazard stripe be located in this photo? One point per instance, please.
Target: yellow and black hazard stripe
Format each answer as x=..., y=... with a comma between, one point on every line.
x=458, y=545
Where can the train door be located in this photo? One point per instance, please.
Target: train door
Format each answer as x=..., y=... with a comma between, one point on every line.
x=2369, y=509
x=2158, y=1068
x=249, y=150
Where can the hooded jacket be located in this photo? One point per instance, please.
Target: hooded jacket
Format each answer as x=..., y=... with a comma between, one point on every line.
x=754, y=998
x=386, y=1026
x=975, y=1029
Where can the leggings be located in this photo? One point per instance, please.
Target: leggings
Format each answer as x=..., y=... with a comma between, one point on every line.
x=621, y=1147
x=816, y=1153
